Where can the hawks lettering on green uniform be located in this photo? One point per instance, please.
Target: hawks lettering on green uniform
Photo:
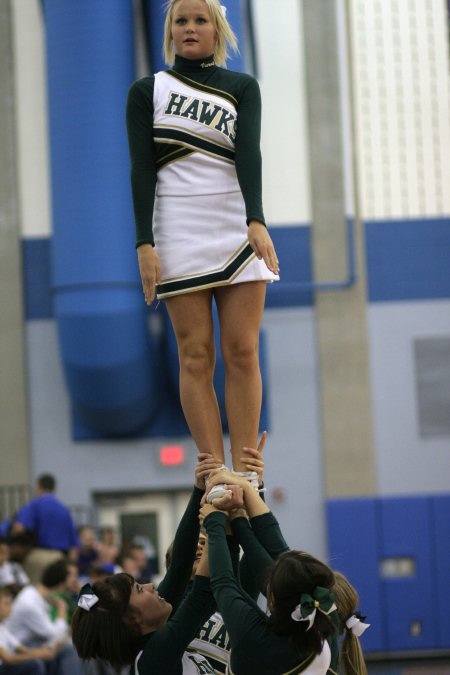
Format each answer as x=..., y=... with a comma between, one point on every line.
x=207, y=113
x=214, y=633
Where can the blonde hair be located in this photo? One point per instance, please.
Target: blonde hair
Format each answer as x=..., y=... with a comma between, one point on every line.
x=225, y=36
x=347, y=600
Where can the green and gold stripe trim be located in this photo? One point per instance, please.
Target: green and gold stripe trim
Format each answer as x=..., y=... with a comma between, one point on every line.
x=169, y=153
x=203, y=87
x=219, y=277
x=165, y=134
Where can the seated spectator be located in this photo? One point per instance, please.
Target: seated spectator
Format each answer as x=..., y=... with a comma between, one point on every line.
x=145, y=552
x=52, y=525
x=12, y=574
x=88, y=552
x=108, y=549
x=20, y=546
x=99, y=572
x=73, y=582
x=128, y=564
x=69, y=593
x=31, y=624
x=5, y=527
x=146, y=571
x=15, y=658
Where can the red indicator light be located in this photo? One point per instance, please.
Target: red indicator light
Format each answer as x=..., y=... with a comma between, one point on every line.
x=171, y=455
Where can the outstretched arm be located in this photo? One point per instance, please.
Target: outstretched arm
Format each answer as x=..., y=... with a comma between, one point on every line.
x=262, y=519
x=261, y=539
x=166, y=646
x=173, y=586
x=240, y=613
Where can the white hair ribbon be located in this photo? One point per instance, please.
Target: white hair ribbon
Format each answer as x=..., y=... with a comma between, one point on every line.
x=224, y=10
x=296, y=615
x=356, y=625
x=87, y=598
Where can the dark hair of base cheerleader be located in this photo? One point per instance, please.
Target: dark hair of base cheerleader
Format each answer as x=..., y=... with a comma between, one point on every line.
x=102, y=632
x=295, y=573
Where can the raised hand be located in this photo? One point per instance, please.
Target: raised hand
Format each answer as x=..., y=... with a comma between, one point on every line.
x=205, y=464
x=252, y=458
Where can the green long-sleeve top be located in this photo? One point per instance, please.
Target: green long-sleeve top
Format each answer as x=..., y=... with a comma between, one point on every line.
x=255, y=648
x=262, y=542
x=164, y=649
x=243, y=89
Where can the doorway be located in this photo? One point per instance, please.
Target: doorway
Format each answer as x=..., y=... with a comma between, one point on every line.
x=148, y=519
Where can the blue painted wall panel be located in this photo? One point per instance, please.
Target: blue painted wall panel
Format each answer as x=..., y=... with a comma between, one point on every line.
x=440, y=508
x=389, y=274
x=408, y=259
x=155, y=15
x=293, y=246
x=37, y=278
x=353, y=540
x=406, y=526
x=96, y=288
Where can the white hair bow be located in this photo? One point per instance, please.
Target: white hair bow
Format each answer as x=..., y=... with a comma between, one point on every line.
x=224, y=10
x=87, y=598
x=355, y=624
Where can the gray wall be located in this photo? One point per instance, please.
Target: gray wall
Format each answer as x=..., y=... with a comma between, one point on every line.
x=407, y=463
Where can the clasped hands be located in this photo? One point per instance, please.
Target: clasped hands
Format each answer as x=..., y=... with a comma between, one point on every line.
x=233, y=502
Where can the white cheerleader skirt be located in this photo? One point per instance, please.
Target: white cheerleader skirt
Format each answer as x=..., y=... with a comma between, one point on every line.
x=202, y=243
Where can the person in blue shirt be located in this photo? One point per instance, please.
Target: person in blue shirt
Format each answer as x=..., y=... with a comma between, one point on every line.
x=5, y=526
x=52, y=525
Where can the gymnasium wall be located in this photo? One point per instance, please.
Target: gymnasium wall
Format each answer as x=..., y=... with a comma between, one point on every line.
x=396, y=111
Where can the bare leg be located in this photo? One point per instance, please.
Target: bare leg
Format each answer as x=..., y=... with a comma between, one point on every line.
x=191, y=317
x=240, y=310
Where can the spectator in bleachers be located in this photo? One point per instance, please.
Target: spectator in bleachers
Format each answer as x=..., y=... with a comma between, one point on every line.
x=147, y=555
x=52, y=525
x=5, y=526
x=108, y=548
x=128, y=564
x=12, y=573
x=145, y=573
x=15, y=658
x=88, y=552
x=99, y=571
x=31, y=624
x=69, y=593
x=20, y=546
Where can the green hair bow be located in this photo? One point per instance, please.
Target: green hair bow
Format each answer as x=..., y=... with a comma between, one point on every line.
x=322, y=600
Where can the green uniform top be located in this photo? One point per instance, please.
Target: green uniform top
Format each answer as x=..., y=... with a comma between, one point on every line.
x=255, y=648
x=165, y=647
x=262, y=542
x=242, y=89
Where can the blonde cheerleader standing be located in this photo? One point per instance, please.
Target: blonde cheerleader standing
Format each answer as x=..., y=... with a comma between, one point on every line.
x=194, y=135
